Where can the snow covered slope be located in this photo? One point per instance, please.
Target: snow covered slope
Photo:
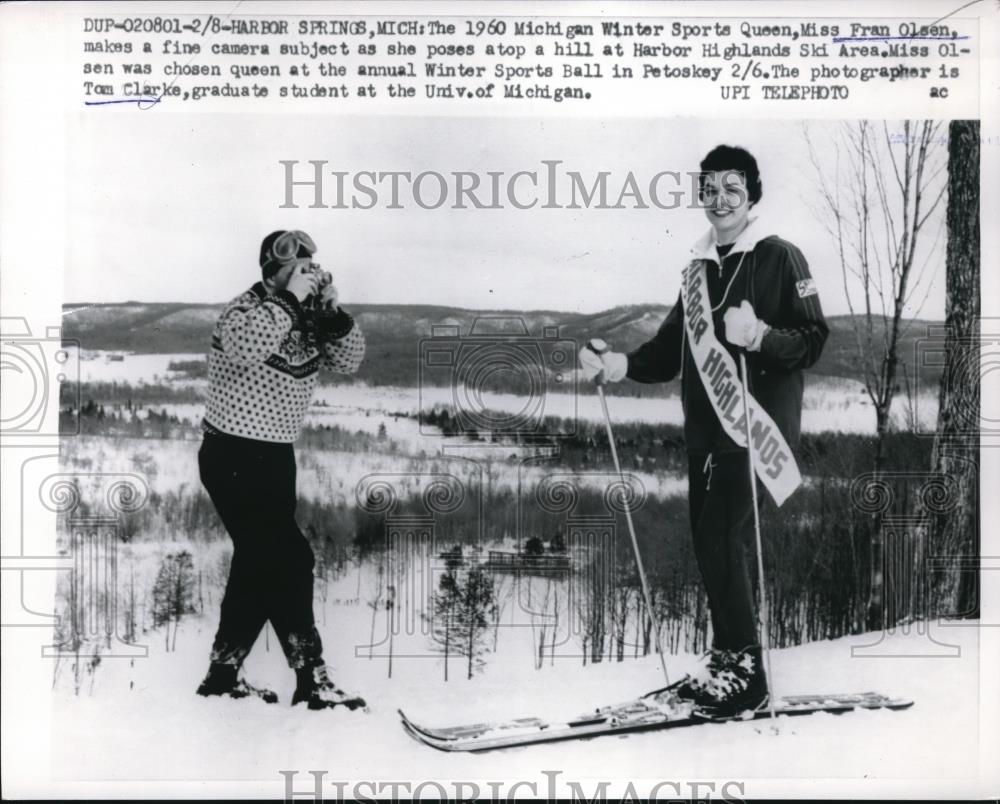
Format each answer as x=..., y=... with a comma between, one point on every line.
x=142, y=720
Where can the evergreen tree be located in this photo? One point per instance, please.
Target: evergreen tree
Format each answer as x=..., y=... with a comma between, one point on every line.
x=463, y=608
x=173, y=592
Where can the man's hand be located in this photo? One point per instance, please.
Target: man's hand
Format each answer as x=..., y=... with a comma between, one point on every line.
x=599, y=364
x=303, y=282
x=743, y=328
x=328, y=292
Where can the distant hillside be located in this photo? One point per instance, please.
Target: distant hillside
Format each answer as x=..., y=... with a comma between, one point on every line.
x=394, y=333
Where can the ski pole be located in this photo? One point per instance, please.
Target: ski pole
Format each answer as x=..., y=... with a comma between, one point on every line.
x=764, y=612
x=599, y=381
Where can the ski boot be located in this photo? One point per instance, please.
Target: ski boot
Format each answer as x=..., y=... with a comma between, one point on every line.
x=739, y=690
x=222, y=679
x=700, y=688
x=313, y=685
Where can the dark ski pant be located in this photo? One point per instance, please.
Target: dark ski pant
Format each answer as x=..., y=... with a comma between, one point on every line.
x=252, y=485
x=722, y=525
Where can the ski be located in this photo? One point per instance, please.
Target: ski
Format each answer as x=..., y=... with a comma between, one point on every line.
x=656, y=710
x=348, y=701
x=335, y=699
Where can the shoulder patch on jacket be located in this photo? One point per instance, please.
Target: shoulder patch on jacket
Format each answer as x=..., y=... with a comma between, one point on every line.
x=806, y=287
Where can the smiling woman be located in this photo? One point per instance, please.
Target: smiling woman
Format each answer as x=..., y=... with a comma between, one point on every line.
x=746, y=295
x=727, y=203
x=729, y=186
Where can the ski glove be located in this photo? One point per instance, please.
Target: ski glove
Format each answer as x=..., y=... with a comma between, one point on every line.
x=743, y=328
x=600, y=365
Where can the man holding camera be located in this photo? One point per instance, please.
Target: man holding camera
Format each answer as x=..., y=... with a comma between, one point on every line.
x=267, y=349
x=745, y=295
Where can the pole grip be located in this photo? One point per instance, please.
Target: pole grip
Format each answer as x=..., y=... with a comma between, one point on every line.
x=598, y=347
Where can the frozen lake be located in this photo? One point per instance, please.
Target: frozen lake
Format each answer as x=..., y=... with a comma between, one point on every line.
x=830, y=404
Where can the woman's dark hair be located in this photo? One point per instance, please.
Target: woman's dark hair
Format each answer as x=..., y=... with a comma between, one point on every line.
x=728, y=157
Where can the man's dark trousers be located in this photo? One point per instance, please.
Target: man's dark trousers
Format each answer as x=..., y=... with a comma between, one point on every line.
x=252, y=485
x=721, y=508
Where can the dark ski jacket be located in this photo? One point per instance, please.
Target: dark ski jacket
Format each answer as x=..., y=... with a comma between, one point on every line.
x=775, y=278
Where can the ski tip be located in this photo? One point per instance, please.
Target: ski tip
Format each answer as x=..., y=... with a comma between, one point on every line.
x=420, y=738
x=413, y=735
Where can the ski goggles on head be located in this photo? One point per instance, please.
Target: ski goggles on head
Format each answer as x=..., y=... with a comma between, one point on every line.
x=286, y=248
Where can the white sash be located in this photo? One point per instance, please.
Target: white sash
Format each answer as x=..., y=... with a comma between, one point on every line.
x=773, y=459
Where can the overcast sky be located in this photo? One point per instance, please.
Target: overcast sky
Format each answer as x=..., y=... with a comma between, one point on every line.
x=172, y=207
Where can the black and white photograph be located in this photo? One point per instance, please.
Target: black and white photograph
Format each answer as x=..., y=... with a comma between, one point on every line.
x=479, y=402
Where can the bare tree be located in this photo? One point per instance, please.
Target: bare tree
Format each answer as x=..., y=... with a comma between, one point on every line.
x=555, y=626
x=130, y=634
x=620, y=600
x=376, y=605
x=880, y=186
x=592, y=605
x=505, y=588
x=955, y=532
x=546, y=613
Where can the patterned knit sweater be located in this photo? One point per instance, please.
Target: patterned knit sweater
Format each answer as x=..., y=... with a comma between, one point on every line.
x=264, y=363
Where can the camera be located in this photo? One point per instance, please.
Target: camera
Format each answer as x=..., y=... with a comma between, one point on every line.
x=325, y=279
x=498, y=357
x=968, y=361
x=321, y=319
x=37, y=372
x=313, y=308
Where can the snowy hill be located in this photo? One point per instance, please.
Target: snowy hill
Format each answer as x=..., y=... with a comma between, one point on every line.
x=393, y=333
x=143, y=721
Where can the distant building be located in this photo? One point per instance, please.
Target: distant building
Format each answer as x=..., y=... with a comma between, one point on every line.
x=531, y=564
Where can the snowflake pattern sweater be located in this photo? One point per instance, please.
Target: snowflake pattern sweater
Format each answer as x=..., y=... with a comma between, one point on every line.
x=265, y=360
